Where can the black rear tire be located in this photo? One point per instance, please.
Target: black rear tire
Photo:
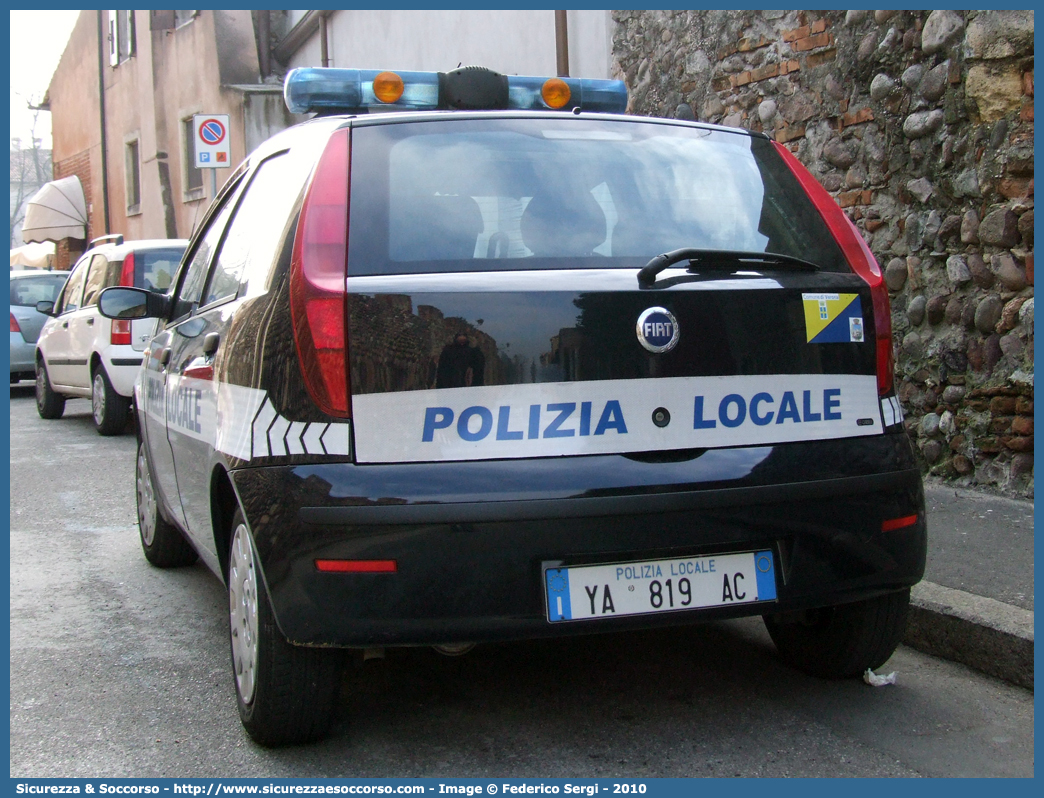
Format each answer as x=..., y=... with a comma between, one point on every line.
x=48, y=403
x=843, y=641
x=109, y=408
x=162, y=542
x=286, y=694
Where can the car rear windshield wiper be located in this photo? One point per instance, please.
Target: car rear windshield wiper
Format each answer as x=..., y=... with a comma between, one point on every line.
x=718, y=259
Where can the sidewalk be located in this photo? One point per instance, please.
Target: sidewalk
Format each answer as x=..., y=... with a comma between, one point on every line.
x=975, y=604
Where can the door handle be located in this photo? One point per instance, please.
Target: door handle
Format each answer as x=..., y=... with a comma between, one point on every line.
x=210, y=343
x=90, y=321
x=65, y=325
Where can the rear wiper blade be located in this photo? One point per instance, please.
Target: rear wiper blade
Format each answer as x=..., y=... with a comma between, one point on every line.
x=718, y=259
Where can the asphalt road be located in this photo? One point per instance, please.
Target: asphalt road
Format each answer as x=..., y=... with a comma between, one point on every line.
x=121, y=669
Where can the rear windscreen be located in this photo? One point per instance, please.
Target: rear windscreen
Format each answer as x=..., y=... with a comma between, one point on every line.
x=154, y=268
x=484, y=195
x=27, y=291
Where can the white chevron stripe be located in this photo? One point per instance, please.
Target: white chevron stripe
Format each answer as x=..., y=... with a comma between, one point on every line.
x=262, y=422
x=293, y=438
x=892, y=411
x=337, y=439
x=276, y=435
x=312, y=438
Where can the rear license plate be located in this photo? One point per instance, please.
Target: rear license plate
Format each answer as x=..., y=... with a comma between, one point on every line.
x=641, y=588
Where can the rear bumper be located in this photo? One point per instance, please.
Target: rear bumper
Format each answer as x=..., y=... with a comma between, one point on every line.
x=23, y=354
x=122, y=364
x=471, y=540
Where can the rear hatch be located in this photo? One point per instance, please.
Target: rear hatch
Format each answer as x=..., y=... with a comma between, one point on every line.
x=495, y=307
x=26, y=292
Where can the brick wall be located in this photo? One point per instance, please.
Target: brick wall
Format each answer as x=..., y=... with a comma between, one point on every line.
x=68, y=250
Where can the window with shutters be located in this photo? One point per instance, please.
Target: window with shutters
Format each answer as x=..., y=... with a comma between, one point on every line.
x=121, y=36
x=132, y=172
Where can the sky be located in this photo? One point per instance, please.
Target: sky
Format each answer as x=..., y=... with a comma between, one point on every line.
x=37, y=41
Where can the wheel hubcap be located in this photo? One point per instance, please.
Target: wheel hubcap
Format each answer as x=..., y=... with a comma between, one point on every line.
x=146, y=499
x=242, y=599
x=98, y=398
x=41, y=385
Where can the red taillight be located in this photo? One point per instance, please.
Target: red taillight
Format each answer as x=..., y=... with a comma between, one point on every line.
x=357, y=566
x=127, y=272
x=318, y=269
x=898, y=523
x=859, y=257
x=14, y=324
x=120, y=333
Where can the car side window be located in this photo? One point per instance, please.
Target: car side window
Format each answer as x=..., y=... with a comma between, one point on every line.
x=96, y=280
x=74, y=289
x=192, y=275
x=258, y=227
x=196, y=273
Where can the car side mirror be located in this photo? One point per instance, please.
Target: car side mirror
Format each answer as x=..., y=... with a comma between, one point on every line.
x=45, y=306
x=132, y=303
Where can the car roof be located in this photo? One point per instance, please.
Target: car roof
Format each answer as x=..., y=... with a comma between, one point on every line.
x=320, y=126
x=120, y=250
x=19, y=273
x=398, y=117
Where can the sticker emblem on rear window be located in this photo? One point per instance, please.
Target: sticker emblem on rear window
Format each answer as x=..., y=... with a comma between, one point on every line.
x=833, y=318
x=657, y=330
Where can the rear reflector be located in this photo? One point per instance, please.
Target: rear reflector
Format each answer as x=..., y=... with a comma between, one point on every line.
x=357, y=566
x=898, y=523
x=859, y=257
x=14, y=324
x=318, y=269
x=120, y=334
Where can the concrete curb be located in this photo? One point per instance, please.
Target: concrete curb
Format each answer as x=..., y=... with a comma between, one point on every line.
x=983, y=633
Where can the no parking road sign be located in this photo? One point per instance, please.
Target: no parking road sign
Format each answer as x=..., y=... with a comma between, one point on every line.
x=213, y=149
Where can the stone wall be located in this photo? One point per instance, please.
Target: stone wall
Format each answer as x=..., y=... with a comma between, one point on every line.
x=921, y=125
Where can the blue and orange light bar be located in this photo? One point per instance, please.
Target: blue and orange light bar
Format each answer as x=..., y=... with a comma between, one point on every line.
x=328, y=90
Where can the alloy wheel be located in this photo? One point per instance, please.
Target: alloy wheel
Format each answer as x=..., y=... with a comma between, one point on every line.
x=242, y=599
x=98, y=398
x=41, y=386
x=147, y=511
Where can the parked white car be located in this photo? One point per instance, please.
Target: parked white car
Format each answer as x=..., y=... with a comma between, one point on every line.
x=82, y=354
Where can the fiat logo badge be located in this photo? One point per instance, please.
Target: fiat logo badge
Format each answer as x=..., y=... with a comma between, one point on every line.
x=657, y=330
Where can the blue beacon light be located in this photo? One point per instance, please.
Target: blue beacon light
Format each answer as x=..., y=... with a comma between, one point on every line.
x=332, y=90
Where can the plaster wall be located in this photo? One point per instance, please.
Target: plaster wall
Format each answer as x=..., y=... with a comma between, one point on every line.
x=514, y=42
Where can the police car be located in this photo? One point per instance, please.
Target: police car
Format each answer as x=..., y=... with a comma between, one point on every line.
x=470, y=357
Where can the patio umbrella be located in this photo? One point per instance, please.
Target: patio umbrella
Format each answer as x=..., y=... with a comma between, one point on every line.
x=33, y=256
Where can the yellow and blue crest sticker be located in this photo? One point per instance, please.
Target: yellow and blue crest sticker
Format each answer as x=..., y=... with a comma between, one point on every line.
x=833, y=318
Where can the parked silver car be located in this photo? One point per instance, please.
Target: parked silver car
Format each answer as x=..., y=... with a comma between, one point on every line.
x=27, y=288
